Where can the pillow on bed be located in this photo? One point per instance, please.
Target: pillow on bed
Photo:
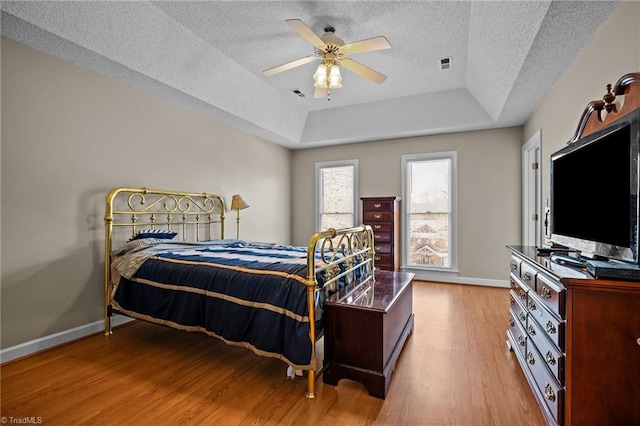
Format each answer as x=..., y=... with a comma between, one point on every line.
x=134, y=244
x=152, y=233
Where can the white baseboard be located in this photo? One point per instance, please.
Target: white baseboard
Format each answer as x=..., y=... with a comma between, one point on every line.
x=448, y=277
x=37, y=345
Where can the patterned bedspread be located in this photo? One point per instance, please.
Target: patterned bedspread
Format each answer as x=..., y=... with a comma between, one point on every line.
x=252, y=295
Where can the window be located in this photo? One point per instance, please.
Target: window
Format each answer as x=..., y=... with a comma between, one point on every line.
x=429, y=225
x=336, y=194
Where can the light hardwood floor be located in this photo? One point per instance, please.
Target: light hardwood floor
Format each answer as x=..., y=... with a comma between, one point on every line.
x=454, y=370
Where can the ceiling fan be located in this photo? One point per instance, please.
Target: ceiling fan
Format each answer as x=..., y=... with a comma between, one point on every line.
x=334, y=53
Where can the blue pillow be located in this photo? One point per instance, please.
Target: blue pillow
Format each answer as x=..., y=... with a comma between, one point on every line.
x=153, y=233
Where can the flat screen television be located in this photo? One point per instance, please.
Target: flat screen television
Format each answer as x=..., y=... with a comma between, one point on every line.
x=594, y=192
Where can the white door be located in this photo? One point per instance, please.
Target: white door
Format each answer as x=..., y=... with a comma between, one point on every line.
x=531, y=212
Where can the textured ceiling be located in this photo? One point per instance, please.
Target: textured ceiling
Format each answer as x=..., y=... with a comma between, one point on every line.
x=209, y=56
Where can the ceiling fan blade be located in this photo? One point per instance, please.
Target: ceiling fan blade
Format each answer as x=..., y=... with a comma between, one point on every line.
x=289, y=65
x=363, y=71
x=320, y=92
x=301, y=28
x=368, y=45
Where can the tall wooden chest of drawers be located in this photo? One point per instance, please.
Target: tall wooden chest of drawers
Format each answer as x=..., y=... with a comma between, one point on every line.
x=577, y=340
x=383, y=214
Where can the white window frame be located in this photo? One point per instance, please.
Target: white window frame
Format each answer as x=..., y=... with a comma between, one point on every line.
x=331, y=164
x=453, y=208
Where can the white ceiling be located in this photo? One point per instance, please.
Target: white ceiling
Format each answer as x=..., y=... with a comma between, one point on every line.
x=209, y=56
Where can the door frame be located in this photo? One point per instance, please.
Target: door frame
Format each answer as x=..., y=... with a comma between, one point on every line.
x=531, y=191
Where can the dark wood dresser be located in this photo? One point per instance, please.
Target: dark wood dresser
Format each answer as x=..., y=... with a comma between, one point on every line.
x=577, y=340
x=383, y=214
x=365, y=327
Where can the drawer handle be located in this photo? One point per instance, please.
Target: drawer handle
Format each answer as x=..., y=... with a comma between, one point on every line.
x=512, y=283
x=377, y=236
x=514, y=266
x=531, y=331
x=545, y=292
x=532, y=306
x=551, y=329
x=549, y=393
x=551, y=360
x=511, y=300
x=377, y=216
x=377, y=258
x=511, y=322
x=521, y=340
x=377, y=226
x=527, y=276
x=378, y=248
x=522, y=294
x=377, y=205
x=530, y=359
x=522, y=316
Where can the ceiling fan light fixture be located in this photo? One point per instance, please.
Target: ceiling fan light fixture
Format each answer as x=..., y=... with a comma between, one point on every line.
x=333, y=53
x=335, y=79
x=320, y=76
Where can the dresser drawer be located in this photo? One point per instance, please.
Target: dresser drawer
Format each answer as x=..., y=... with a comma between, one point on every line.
x=378, y=217
x=382, y=227
x=375, y=205
x=551, y=293
x=552, y=326
x=381, y=237
x=550, y=353
x=382, y=248
x=528, y=275
x=383, y=261
x=517, y=334
x=512, y=282
x=519, y=290
x=520, y=313
x=550, y=391
x=515, y=265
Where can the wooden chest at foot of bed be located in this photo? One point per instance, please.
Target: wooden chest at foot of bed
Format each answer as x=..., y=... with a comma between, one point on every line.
x=365, y=328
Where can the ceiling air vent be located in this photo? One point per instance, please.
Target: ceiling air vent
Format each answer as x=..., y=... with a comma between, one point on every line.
x=298, y=92
x=445, y=63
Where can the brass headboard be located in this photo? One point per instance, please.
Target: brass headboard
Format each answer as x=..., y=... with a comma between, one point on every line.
x=194, y=216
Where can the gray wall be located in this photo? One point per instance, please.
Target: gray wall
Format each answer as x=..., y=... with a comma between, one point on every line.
x=68, y=137
x=488, y=190
x=614, y=52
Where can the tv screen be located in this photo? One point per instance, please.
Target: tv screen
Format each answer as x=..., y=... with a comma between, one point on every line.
x=594, y=192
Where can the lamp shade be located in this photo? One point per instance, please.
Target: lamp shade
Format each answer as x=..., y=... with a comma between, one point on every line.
x=237, y=203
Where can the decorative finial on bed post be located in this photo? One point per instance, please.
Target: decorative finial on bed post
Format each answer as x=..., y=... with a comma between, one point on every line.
x=609, y=98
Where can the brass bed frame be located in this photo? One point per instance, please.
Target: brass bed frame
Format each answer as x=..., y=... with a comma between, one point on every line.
x=336, y=254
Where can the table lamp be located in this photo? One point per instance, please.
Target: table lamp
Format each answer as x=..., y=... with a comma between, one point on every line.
x=237, y=204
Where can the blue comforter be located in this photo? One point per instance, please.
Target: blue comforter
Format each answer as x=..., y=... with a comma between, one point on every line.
x=252, y=295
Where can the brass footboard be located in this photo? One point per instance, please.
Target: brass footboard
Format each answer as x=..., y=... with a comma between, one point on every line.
x=338, y=255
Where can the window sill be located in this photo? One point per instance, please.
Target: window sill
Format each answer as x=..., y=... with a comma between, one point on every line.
x=429, y=269
x=432, y=274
